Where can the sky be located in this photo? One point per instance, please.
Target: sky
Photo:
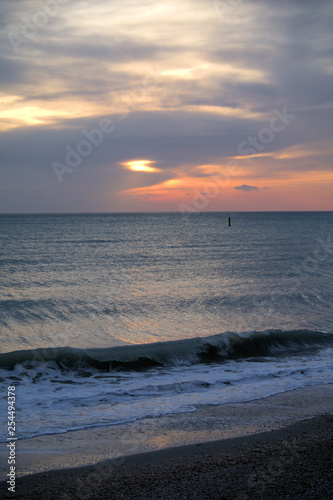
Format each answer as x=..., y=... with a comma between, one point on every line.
x=140, y=106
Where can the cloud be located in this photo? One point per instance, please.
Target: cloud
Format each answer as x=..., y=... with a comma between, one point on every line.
x=218, y=80
x=246, y=188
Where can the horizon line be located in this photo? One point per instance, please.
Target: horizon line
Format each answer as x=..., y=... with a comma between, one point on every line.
x=194, y=212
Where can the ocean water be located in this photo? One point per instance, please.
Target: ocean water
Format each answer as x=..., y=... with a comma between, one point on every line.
x=111, y=318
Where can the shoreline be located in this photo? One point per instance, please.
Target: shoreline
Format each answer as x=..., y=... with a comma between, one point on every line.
x=293, y=462
x=260, y=442
x=81, y=448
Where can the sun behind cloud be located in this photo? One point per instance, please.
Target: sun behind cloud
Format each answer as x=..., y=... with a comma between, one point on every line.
x=140, y=166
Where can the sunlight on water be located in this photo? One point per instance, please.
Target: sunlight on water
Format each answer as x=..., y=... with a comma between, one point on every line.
x=117, y=290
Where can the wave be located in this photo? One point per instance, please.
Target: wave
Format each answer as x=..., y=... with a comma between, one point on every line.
x=42, y=310
x=29, y=310
x=216, y=348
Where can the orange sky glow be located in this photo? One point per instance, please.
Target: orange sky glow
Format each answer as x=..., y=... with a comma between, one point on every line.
x=128, y=106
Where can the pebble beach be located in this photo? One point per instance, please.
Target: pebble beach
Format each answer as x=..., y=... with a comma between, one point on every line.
x=285, y=452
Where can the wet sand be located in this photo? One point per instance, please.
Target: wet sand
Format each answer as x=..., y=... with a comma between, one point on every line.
x=295, y=461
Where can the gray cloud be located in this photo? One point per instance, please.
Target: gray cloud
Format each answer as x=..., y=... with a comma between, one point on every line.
x=247, y=188
x=289, y=43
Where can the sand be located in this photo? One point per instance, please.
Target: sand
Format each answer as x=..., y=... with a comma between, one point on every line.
x=293, y=459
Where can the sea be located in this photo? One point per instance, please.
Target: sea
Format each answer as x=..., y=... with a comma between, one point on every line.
x=113, y=318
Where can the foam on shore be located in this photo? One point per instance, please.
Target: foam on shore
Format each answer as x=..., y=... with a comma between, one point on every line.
x=208, y=423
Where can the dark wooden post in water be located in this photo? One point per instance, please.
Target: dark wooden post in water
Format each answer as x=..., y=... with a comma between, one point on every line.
x=229, y=221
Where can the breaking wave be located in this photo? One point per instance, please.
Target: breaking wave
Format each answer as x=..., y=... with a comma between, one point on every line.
x=138, y=357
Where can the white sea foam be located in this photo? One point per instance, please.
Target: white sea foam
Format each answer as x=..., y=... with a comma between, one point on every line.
x=60, y=401
x=120, y=288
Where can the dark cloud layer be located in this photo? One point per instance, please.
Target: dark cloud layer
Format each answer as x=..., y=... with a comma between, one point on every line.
x=218, y=80
x=246, y=188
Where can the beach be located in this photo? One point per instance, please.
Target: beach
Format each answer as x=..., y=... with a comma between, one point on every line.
x=278, y=447
x=197, y=367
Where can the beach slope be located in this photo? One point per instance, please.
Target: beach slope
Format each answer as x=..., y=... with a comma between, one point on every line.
x=295, y=462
